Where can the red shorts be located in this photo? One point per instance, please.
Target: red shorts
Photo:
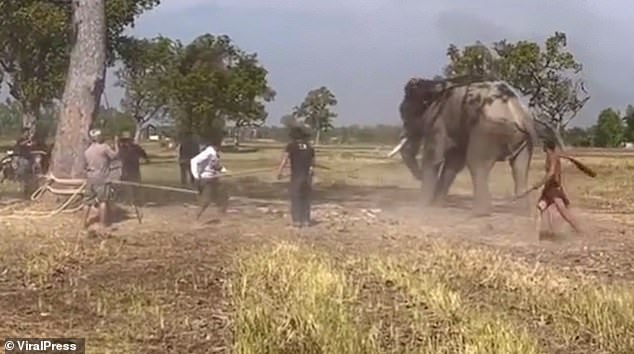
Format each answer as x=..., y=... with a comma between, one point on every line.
x=548, y=197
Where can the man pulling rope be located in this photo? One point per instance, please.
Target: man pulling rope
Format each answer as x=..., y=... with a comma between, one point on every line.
x=206, y=170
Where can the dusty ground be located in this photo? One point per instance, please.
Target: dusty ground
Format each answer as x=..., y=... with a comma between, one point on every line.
x=166, y=285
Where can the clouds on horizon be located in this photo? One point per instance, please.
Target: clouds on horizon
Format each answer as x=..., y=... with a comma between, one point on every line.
x=364, y=50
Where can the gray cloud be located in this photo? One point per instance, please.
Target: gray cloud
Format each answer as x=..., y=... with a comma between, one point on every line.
x=365, y=50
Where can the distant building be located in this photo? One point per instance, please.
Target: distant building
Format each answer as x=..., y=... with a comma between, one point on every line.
x=629, y=145
x=151, y=130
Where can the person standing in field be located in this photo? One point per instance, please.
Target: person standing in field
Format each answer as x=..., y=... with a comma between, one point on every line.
x=130, y=154
x=206, y=170
x=302, y=159
x=187, y=149
x=553, y=193
x=98, y=158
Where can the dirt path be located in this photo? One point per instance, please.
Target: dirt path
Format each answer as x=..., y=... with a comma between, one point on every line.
x=375, y=227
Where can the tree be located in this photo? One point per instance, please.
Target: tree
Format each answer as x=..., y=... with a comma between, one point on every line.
x=609, y=129
x=629, y=123
x=34, y=61
x=315, y=110
x=215, y=81
x=577, y=136
x=84, y=86
x=476, y=60
x=147, y=64
x=36, y=37
x=247, y=90
x=548, y=75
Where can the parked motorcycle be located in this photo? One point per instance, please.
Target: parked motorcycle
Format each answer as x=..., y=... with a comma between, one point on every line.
x=8, y=165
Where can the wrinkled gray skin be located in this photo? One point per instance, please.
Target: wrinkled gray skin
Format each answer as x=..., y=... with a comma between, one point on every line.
x=471, y=125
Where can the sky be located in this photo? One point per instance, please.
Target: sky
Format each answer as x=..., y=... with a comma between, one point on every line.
x=365, y=50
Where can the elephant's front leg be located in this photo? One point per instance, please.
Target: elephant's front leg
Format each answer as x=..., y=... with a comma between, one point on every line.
x=429, y=179
x=480, y=172
x=454, y=163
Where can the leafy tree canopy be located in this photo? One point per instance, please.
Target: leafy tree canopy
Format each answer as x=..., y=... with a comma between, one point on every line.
x=35, y=42
x=215, y=81
x=147, y=65
x=547, y=74
x=609, y=129
x=315, y=110
x=629, y=123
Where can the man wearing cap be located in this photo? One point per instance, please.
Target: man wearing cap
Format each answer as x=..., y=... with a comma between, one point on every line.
x=99, y=157
x=206, y=170
x=130, y=153
x=302, y=158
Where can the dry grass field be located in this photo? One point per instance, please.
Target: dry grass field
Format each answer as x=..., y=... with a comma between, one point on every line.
x=377, y=274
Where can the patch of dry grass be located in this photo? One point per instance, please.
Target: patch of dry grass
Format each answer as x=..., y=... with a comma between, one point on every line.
x=452, y=300
x=579, y=311
x=291, y=301
x=128, y=318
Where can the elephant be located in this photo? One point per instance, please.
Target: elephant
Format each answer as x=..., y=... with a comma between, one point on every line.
x=473, y=124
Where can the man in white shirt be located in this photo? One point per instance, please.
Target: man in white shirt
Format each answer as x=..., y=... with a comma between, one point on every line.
x=206, y=169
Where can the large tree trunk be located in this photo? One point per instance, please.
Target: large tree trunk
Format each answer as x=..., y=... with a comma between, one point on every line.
x=137, y=132
x=317, y=136
x=84, y=86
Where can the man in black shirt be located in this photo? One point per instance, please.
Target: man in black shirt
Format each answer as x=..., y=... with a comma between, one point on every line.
x=302, y=158
x=130, y=154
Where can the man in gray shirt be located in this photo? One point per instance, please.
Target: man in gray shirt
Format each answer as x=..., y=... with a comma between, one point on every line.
x=99, y=157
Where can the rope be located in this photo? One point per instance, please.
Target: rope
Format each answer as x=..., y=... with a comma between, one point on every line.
x=75, y=192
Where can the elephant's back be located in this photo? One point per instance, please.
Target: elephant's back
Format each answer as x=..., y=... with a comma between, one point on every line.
x=485, y=92
x=491, y=103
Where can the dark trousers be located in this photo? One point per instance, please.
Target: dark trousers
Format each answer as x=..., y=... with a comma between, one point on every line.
x=300, y=192
x=212, y=190
x=132, y=194
x=186, y=174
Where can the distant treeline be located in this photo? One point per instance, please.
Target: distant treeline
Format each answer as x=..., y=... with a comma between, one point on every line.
x=612, y=128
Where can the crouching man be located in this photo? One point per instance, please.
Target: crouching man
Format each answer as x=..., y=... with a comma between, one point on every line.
x=99, y=157
x=206, y=170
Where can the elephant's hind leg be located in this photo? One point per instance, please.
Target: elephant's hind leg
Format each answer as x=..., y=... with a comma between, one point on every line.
x=482, y=153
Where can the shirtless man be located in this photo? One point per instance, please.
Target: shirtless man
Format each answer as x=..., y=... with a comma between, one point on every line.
x=553, y=192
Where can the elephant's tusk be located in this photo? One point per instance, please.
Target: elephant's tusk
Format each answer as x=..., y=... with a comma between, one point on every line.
x=397, y=148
